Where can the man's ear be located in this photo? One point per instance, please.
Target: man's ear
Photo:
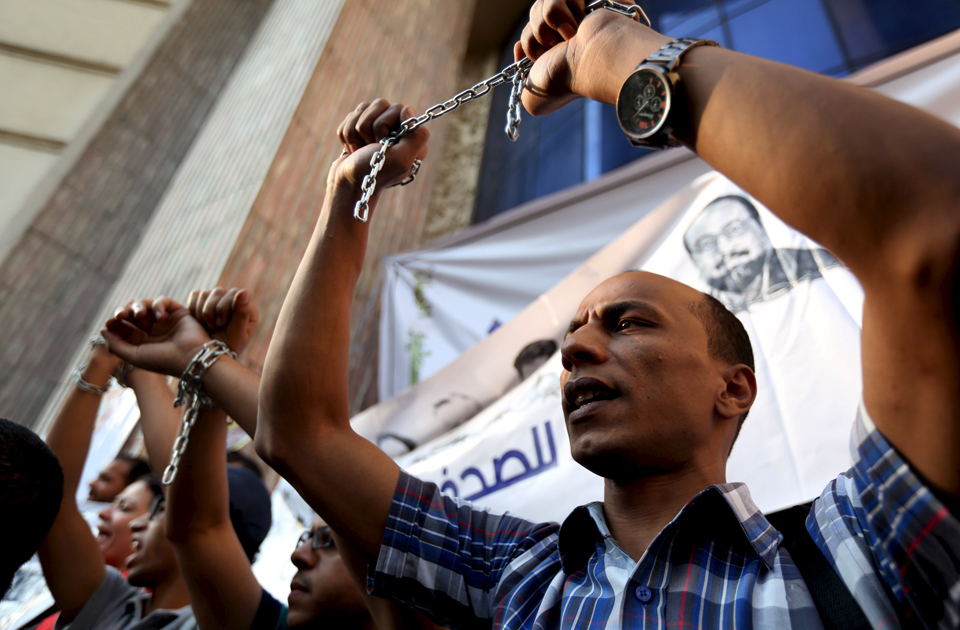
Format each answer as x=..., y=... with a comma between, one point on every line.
x=741, y=390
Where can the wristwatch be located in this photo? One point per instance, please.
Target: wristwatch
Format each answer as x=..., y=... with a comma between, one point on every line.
x=647, y=104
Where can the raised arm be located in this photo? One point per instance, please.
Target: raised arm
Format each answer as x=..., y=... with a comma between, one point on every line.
x=223, y=591
x=72, y=562
x=163, y=336
x=159, y=419
x=304, y=430
x=872, y=179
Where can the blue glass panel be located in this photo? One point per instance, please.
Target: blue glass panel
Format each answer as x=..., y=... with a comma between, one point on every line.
x=797, y=32
x=518, y=182
x=561, y=150
x=873, y=29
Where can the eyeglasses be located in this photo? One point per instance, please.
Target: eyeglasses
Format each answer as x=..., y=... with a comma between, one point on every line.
x=730, y=230
x=319, y=538
x=158, y=507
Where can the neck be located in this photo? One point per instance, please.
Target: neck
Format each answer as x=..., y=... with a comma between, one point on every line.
x=637, y=510
x=168, y=594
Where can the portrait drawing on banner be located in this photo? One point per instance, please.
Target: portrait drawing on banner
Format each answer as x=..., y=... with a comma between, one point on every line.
x=733, y=252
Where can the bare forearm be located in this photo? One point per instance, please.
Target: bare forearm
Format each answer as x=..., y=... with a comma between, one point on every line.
x=199, y=496
x=159, y=418
x=223, y=590
x=72, y=429
x=304, y=384
x=850, y=168
x=235, y=388
x=303, y=426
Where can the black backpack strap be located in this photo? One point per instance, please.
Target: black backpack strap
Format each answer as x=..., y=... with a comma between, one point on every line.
x=836, y=605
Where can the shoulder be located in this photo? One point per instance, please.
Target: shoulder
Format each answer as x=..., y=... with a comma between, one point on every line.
x=114, y=604
x=271, y=614
x=889, y=537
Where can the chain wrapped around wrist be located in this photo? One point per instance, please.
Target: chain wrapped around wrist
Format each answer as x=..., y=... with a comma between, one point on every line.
x=190, y=395
x=81, y=383
x=515, y=74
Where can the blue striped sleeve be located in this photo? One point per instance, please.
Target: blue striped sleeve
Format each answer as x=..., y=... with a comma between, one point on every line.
x=446, y=557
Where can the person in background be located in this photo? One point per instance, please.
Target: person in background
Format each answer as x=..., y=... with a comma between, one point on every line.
x=91, y=594
x=31, y=488
x=164, y=335
x=118, y=474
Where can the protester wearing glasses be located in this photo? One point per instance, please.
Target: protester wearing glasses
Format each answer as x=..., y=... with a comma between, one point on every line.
x=164, y=335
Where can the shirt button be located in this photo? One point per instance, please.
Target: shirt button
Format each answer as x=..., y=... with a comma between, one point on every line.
x=644, y=594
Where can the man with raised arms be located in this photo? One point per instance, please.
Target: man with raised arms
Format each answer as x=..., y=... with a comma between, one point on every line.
x=658, y=377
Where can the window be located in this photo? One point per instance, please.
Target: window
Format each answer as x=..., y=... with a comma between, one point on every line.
x=583, y=140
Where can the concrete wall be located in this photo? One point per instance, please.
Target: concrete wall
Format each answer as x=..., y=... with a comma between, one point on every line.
x=59, y=60
x=402, y=51
x=56, y=276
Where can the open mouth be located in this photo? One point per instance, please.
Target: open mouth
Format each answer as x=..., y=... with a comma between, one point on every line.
x=586, y=395
x=102, y=535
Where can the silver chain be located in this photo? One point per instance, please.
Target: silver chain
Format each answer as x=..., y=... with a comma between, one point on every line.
x=516, y=74
x=190, y=394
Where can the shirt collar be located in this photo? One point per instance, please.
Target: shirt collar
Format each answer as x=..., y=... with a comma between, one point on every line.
x=586, y=526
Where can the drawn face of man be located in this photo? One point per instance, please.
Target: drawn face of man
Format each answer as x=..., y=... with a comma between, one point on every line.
x=728, y=245
x=639, y=384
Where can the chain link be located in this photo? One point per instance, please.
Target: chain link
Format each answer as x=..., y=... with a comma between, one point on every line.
x=190, y=395
x=515, y=74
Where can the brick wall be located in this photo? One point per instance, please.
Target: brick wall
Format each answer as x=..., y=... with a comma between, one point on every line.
x=54, y=281
x=403, y=51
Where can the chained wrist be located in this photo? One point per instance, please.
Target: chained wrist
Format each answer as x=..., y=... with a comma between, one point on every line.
x=86, y=386
x=191, y=397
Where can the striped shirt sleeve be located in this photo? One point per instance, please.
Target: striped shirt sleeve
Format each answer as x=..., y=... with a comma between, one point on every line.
x=446, y=557
x=909, y=539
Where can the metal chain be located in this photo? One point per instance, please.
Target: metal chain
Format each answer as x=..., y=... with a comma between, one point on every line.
x=515, y=74
x=190, y=394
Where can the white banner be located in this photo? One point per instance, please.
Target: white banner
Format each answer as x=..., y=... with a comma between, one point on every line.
x=799, y=305
x=440, y=301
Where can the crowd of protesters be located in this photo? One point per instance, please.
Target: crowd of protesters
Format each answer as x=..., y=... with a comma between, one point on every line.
x=657, y=380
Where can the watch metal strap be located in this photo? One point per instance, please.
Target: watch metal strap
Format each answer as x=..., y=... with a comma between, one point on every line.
x=669, y=55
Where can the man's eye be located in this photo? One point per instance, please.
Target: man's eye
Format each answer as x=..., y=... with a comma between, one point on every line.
x=624, y=324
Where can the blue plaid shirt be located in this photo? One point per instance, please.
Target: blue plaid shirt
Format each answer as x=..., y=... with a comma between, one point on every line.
x=718, y=564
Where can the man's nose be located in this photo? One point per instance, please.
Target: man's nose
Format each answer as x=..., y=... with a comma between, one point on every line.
x=304, y=557
x=139, y=524
x=584, y=345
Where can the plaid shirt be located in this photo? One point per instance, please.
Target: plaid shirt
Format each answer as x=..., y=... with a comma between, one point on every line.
x=717, y=564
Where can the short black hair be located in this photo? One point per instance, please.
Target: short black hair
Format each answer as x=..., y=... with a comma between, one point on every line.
x=138, y=467
x=152, y=482
x=31, y=489
x=727, y=339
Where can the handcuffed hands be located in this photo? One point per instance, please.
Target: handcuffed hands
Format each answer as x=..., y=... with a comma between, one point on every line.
x=360, y=134
x=158, y=335
x=578, y=55
x=227, y=314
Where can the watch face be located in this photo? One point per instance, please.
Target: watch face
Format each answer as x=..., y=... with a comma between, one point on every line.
x=643, y=103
